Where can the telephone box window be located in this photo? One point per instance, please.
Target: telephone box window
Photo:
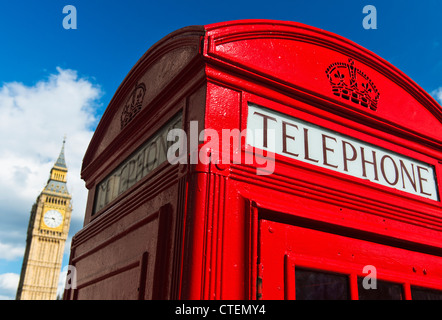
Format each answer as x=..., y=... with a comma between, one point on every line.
x=316, y=285
x=384, y=291
x=425, y=294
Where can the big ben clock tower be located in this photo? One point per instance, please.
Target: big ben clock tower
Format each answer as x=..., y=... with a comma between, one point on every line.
x=47, y=232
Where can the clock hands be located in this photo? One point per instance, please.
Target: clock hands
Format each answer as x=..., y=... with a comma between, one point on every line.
x=52, y=218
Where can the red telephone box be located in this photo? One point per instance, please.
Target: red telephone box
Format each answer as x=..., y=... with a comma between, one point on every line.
x=262, y=159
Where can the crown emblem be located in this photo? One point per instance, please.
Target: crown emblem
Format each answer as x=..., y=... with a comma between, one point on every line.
x=133, y=104
x=352, y=84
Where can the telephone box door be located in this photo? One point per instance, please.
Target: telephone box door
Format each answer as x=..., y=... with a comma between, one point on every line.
x=302, y=263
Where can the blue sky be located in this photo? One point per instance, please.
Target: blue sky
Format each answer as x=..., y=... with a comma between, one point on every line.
x=112, y=35
x=42, y=65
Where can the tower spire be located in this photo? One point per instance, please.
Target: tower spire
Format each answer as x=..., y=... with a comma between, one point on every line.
x=57, y=178
x=61, y=163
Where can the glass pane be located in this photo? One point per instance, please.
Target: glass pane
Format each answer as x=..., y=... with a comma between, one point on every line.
x=379, y=290
x=425, y=294
x=316, y=285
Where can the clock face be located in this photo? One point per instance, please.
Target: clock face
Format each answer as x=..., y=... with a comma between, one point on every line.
x=53, y=218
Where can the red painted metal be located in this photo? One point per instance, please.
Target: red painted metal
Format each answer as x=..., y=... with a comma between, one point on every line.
x=220, y=231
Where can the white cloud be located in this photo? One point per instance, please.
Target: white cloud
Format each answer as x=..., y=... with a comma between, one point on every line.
x=437, y=94
x=8, y=285
x=62, y=282
x=11, y=252
x=33, y=121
